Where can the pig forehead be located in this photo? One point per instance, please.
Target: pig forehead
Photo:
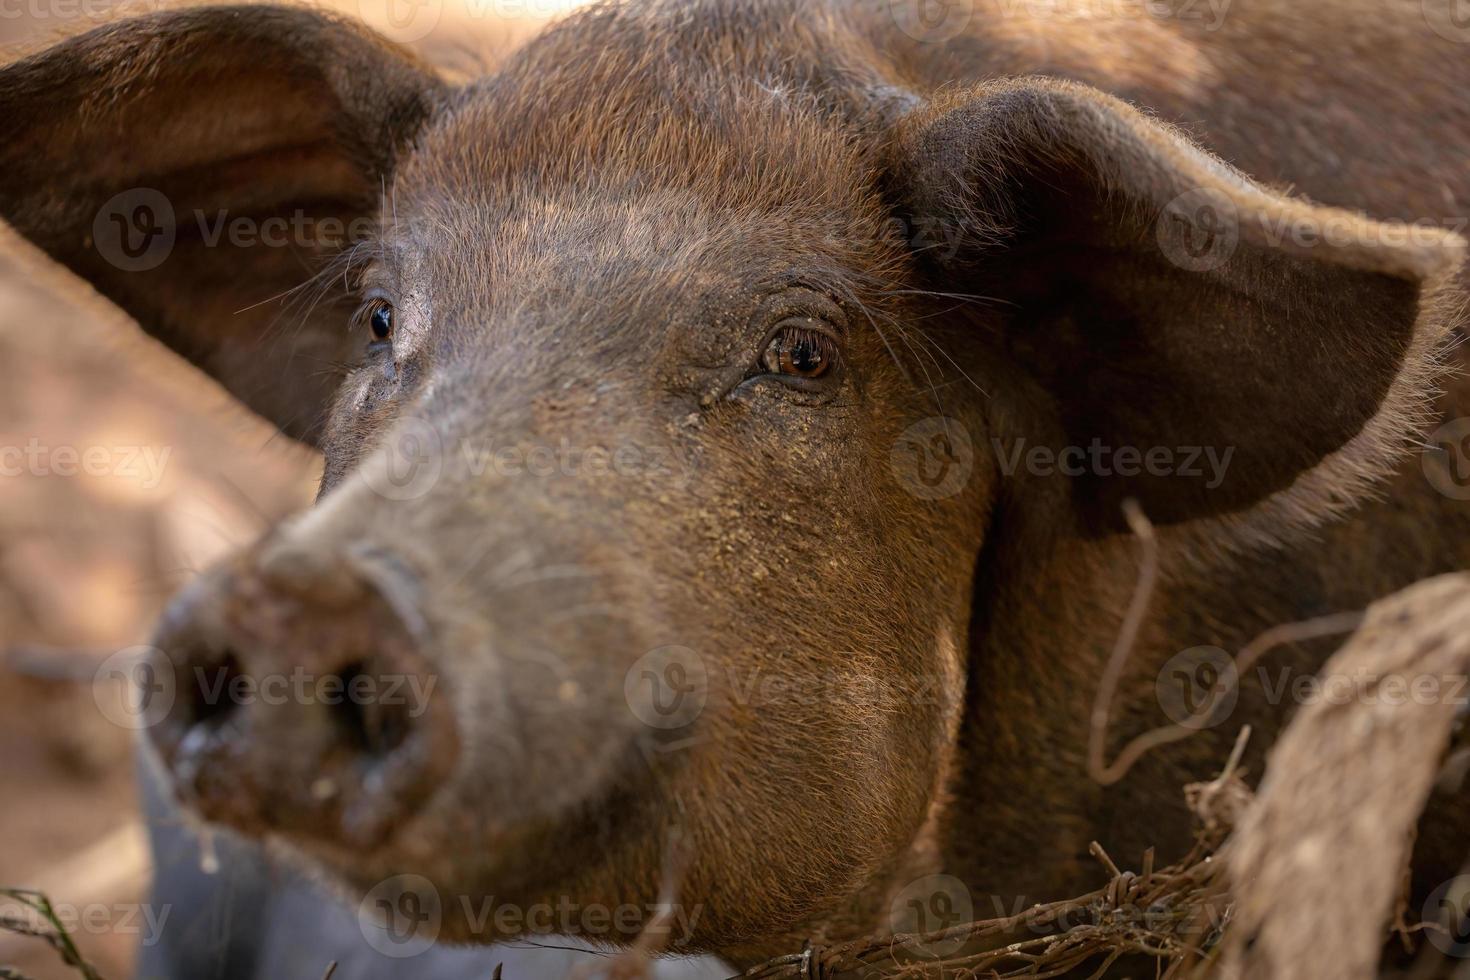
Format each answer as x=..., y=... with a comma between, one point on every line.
x=644, y=268
x=521, y=208
x=658, y=193
x=656, y=266
x=646, y=234
x=728, y=144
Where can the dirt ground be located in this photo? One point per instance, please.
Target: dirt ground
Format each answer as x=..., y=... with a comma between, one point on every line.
x=122, y=472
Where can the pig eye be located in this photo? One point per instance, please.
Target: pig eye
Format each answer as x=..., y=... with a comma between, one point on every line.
x=379, y=316
x=800, y=351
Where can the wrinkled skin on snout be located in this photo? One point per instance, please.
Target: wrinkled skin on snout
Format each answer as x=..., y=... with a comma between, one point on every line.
x=675, y=390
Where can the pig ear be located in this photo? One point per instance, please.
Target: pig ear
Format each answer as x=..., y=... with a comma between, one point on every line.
x=1159, y=298
x=198, y=166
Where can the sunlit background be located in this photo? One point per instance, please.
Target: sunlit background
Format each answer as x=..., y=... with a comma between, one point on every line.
x=177, y=475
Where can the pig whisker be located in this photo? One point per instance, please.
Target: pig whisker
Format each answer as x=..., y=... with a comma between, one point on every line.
x=893, y=354
x=587, y=611
x=515, y=563
x=304, y=297
x=263, y=520
x=157, y=586
x=903, y=336
x=904, y=333
x=328, y=368
x=505, y=569
x=552, y=573
x=872, y=317
x=533, y=944
x=332, y=368
x=939, y=314
x=963, y=297
x=298, y=303
x=394, y=584
x=934, y=346
x=924, y=337
x=928, y=378
x=517, y=571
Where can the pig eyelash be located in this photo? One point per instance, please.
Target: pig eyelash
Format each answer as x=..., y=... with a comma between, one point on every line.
x=801, y=349
x=378, y=316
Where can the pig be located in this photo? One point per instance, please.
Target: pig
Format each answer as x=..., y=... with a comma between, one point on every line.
x=731, y=410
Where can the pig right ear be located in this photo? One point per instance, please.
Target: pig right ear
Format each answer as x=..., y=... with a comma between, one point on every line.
x=1164, y=306
x=198, y=166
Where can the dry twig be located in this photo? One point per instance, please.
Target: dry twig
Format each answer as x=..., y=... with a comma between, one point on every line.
x=1108, y=773
x=1344, y=787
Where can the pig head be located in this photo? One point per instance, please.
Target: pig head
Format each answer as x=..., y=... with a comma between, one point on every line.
x=658, y=377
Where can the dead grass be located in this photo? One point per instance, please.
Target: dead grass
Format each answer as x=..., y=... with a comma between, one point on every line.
x=38, y=919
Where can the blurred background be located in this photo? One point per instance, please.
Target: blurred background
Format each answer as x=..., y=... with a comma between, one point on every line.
x=123, y=471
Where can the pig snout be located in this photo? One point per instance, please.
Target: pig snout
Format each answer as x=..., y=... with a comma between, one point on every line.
x=303, y=700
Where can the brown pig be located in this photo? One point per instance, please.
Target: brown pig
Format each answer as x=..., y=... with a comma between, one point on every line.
x=729, y=408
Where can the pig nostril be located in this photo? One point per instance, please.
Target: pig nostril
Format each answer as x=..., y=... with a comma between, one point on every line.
x=369, y=722
x=213, y=688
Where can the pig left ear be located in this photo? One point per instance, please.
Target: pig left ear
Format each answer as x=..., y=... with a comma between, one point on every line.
x=1162, y=299
x=202, y=167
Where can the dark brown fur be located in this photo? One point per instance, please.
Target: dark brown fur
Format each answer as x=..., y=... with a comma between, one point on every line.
x=582, y=246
